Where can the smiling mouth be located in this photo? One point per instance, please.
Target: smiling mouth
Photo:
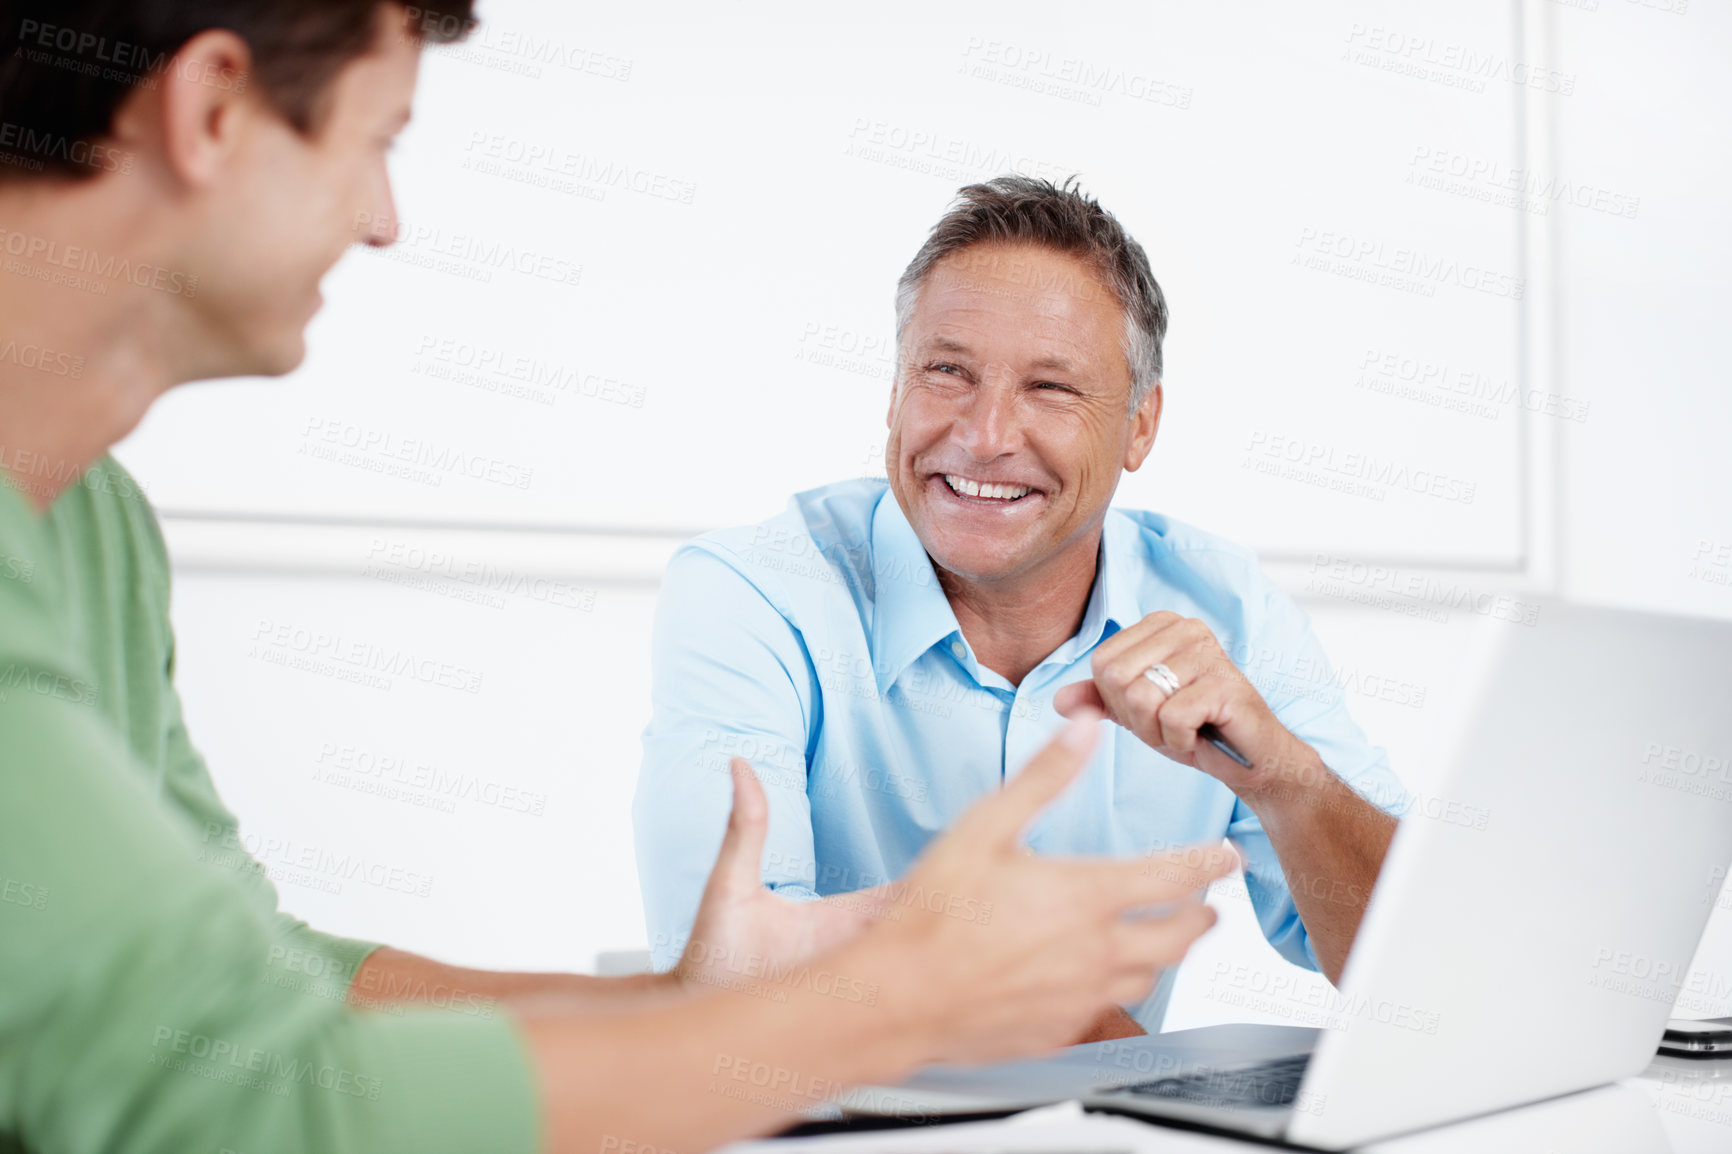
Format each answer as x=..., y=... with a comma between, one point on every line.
x=986, y=494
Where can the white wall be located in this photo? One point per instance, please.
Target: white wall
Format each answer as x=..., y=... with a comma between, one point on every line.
x=1632, y=336
x=1646, y=515
x=680, y=341
x=1300, y=122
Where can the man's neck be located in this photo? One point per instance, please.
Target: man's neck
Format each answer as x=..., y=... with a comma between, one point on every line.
x=82, y=353
x=1014, y=625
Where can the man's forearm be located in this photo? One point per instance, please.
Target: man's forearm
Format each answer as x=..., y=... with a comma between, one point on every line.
x=736, y=1065
x=1331, y=843
x=396, y=976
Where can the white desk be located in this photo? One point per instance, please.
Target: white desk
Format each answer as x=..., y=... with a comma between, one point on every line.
x=1675, y=1107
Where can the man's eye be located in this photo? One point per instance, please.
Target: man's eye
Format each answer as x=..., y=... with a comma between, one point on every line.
x=943, y=367
x=1054, y=386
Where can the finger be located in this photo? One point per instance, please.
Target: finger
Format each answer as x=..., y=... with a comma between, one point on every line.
x=1190, y=653
x=1187, y=711
x=739, y=864
x=1110, y=648
x=1141, y=711
x=1078, y=696
x=1133, y=986
x=1128, y=885
x=1131, y=698
x=1160, y=942
x=1190, y=660
x=1181, y=645
x=1000, y=819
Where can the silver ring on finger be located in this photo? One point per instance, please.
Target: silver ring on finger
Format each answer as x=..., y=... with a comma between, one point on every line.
x=1165, y=680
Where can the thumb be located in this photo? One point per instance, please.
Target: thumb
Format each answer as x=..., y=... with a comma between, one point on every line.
x=739, y=864
x=1079, y=696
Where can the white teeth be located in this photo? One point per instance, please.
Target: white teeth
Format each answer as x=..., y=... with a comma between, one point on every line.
x=975, y=489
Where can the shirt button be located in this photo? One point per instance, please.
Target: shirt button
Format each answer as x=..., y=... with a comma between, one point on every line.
x=959, y=649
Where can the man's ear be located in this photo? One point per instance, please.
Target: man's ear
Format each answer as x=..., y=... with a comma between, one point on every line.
x=1145, y=423
x=202, y=101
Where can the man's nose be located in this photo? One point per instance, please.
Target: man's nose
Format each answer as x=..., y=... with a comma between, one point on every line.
x=382, y=225
x=989, y=427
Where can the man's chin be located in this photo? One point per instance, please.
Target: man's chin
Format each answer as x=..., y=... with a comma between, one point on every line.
x=280, y=357
x=975, y=564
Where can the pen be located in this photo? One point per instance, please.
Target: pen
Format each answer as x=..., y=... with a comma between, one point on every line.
x=1210, y=734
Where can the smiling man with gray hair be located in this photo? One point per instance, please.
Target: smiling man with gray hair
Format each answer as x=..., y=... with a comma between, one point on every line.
x=886, y=652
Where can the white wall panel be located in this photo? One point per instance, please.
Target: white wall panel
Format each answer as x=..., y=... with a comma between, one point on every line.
x=647, y=266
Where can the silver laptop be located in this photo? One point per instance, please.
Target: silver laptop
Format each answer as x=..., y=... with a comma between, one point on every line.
x=1529, y=955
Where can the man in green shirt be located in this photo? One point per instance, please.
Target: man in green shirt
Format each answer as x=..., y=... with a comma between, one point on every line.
x=178, y=175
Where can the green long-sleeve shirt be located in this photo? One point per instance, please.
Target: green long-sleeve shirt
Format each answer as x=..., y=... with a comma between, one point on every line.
x=152, y=998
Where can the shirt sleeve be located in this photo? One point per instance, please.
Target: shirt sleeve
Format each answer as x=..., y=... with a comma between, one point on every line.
x=1287, y=664
x=304, y=955
x=729, y=678
x=138, y=1009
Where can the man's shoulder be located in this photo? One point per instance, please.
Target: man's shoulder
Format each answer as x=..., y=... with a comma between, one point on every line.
x=1165, y=542
x=819, y=545
x=101, y=508
x=838, y=513
x=96, y=546
x=110, y=522
x=32, y=608
x=1174, y=564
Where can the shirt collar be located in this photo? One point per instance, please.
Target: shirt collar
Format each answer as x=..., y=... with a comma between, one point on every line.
x=1112, y=603
x=912, y=614
x=1122, y=542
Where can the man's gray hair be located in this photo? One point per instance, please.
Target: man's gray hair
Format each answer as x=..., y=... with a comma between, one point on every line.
x=1021, y=209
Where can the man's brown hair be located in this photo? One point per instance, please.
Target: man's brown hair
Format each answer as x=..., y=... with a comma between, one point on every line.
x=1023, y=210
x=66, y=66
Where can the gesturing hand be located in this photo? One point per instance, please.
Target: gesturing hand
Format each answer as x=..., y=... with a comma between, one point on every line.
x=991, y=951
x=743, y=932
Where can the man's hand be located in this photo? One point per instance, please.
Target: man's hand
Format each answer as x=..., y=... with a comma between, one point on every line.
x=741, y=926
x=1318, y=827
x=1211, y=689
x=991, y=952
x=1113, y=1024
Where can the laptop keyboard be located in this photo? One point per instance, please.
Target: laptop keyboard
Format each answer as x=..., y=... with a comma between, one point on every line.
x=1271, y=1083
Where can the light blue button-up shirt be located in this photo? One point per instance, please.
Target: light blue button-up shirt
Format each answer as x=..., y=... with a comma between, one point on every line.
x=819, y=646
